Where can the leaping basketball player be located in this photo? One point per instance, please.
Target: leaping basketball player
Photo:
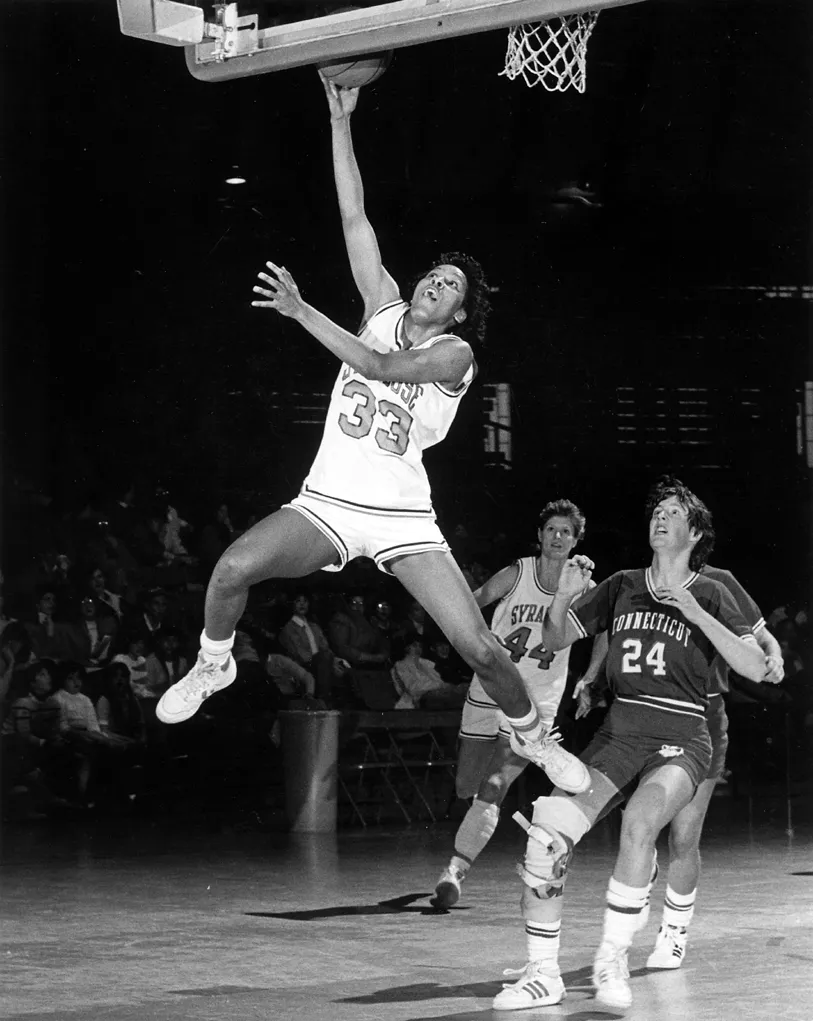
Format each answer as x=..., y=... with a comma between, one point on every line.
x=367, y=493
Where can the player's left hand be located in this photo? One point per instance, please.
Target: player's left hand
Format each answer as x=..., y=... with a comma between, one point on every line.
x=281, y=292
x=682, y=599
x=774, y=670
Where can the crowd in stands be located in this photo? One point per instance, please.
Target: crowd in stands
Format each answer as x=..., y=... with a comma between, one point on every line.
x=100, y=611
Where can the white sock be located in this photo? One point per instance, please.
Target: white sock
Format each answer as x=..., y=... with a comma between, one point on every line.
x=213, y=650
x=543, y=943
x=622, y=917
x=529, y=727
x=475, y=831
x=678, y=908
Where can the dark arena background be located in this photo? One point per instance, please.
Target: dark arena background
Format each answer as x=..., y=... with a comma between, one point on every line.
x=648, y=248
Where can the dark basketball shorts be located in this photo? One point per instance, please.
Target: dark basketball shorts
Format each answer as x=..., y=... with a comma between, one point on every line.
x=634, y=740
x=717, y=722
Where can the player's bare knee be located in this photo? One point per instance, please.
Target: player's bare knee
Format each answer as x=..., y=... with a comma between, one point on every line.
x=684, y=841
x=494, y=788
x=638, y=832
x=232, y=573
x=483, y=655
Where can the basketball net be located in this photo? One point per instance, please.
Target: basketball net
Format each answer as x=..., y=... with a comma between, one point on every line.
x=551, y=53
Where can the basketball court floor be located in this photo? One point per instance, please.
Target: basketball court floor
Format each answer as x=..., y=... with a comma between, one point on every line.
x=150, y=919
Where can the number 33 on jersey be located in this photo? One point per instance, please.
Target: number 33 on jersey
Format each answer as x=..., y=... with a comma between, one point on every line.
x=375, y=433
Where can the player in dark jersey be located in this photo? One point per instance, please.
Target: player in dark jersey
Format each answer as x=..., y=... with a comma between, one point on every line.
x=686, y=828
x=666, y=625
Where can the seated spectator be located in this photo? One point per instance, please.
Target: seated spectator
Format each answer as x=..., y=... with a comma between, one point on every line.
x=78, y=724
x=97, y=589
x=134, y=658
x=416, y=624
x=31, y=737
x=77, y=715
x=448, y=663
x=382, y=618
x=166, y=664
x=119, y=713
x=419, y=685
x=89, y=640
x=44, y=631
x=151, y=617
x=305, y=642
x=354, y=639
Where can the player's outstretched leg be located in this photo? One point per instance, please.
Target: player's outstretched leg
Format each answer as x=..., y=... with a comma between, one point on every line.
x=480, y=822
x=435, y=580
x=283, y=545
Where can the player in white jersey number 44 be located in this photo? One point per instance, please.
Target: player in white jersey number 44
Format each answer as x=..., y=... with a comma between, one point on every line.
x=398, y=389
x=487, y=763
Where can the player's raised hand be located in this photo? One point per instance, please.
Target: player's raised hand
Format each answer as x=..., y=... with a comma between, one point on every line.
x=341, y=101
x=575, y=575
x=682, y=599
x=280, y=292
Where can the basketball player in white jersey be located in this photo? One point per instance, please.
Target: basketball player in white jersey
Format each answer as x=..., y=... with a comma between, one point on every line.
x=487, y=766
x=367, y=493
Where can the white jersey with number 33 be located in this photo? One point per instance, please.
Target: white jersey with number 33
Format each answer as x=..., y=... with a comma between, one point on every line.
x=517, y=621
x=370, y=457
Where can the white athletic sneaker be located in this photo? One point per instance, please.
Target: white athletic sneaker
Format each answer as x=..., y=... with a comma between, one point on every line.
x=611, y=977
x=185, y=697
x=534, y=988
x=447, y=891
x=670, y=947
x=564, y=769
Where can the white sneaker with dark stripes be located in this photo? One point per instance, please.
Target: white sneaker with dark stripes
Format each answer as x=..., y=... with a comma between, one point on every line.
x=535, y=987
x=611, y=977
x=670, y=948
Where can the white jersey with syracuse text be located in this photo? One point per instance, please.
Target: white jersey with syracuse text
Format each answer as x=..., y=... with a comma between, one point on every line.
x=370, y=458
x=517, y=621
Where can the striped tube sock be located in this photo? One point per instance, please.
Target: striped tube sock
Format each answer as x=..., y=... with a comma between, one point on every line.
x=678, y=908
x=622, y=917
x=529, y=727
x=543, y=943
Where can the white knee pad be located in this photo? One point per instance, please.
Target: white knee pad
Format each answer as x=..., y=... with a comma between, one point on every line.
x=557, y=825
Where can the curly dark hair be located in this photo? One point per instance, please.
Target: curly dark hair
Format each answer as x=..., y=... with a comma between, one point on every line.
x=698, y=515
x=564, y=509
x=476, y=303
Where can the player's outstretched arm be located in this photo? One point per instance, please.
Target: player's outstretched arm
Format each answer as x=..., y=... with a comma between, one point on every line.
x=445, y=362
x=374, y=283
x=497, y=587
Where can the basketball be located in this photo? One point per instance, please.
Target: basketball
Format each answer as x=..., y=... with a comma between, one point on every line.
x=354, y=72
